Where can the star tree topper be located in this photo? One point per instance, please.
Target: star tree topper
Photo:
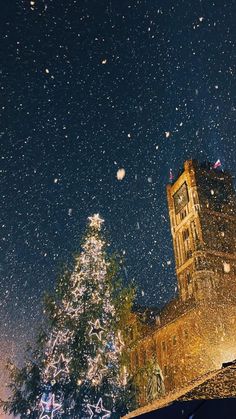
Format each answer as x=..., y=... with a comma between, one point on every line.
x=96, y=221
x=98, y=409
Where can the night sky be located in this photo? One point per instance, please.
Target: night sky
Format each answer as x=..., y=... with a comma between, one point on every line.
x=89, y=87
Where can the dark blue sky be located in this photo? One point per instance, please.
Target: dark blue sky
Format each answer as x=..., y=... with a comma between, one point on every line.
x=88, y=87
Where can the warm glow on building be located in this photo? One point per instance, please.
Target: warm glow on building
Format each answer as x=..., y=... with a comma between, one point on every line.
x=196, y=333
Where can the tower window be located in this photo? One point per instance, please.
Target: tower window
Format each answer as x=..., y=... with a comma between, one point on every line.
x=194, y=198
x=183, y=214
x=194, y=230
x=186, y=234
x=174, y=340
x=163, y=344
x=188, y=254
x=188, y=277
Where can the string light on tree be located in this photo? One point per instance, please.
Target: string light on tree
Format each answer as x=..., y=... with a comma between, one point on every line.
x=58, y=338
x=88, y=300
x=119, y=341
x=96, y=370
x=82, y=356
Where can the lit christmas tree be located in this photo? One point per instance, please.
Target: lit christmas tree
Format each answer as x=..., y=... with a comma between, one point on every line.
x=81, y=374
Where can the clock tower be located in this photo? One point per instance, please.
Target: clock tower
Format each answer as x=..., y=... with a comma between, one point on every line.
x=195, y=333
x=202, y=208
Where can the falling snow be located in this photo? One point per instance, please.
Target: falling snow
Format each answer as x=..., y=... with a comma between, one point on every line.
x=85, y=84
x=120, y=174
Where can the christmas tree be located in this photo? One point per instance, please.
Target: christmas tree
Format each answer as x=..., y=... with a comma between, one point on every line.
x=80, y=370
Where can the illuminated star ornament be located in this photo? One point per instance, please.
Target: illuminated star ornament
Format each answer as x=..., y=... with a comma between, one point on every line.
x=94, y=411
x=61, y=365
x=96, y=221
x=59, y=338
x=96, y=329
x=49, y=406
x=96, y=370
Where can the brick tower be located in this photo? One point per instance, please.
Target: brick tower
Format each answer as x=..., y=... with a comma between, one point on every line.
x=202, y=207
x=195, y=333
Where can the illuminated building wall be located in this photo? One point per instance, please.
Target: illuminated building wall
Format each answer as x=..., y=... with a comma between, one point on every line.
x=196, y=332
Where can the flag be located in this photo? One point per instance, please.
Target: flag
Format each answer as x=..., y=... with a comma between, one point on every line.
x=217, y=164
x=171, y=177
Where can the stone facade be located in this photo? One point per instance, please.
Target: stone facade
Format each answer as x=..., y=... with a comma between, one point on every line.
x=195, y=333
